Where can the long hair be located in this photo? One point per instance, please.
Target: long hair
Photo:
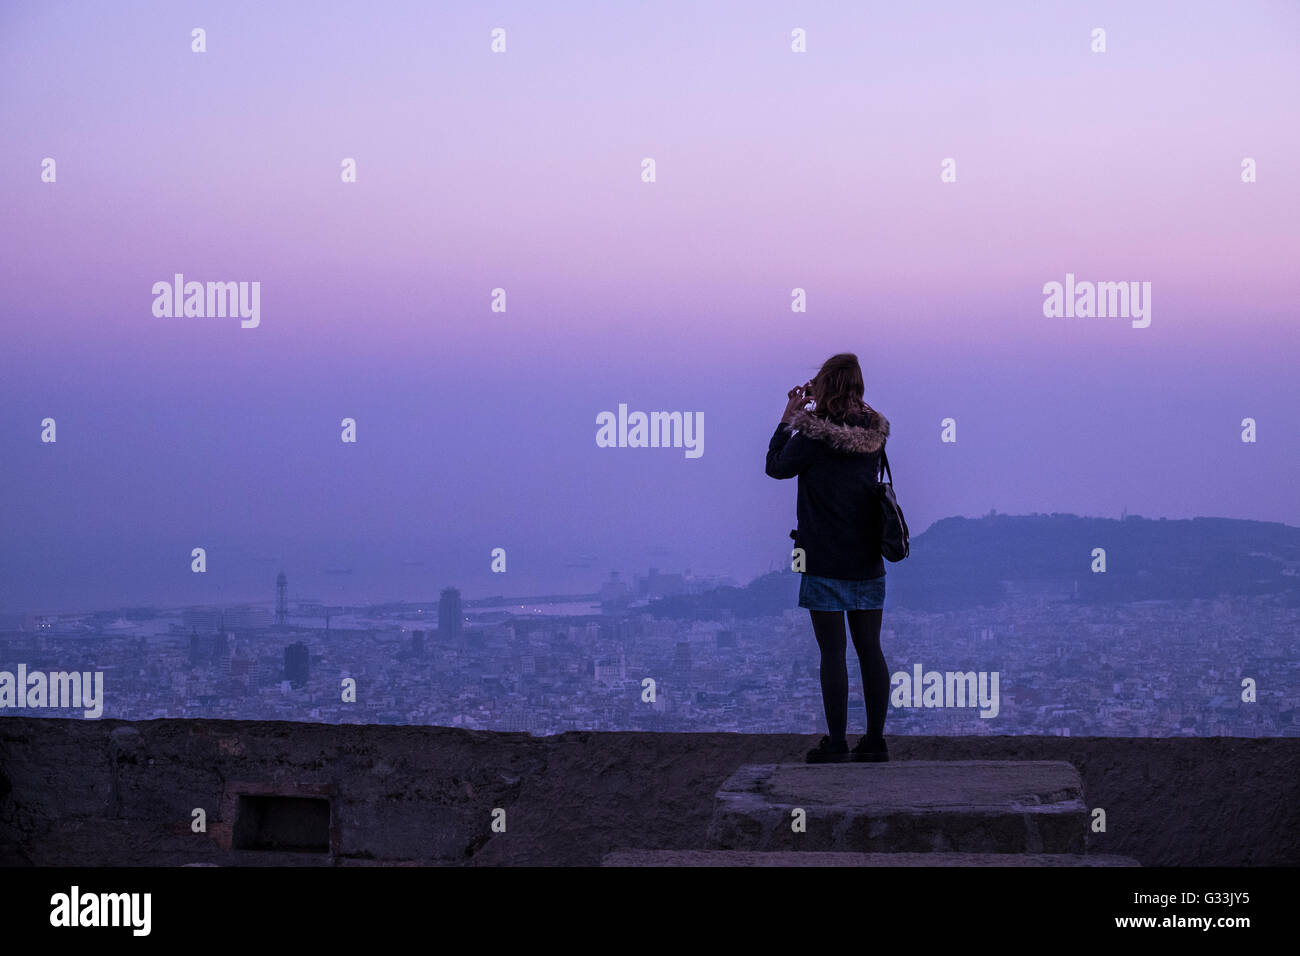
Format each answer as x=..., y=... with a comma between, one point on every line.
x=838, y=388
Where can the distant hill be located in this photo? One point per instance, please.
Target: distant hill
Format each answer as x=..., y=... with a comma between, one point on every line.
x=965, y=562
x=770, y=594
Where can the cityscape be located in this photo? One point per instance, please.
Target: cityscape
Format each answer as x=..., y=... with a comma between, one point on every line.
x=611, y=660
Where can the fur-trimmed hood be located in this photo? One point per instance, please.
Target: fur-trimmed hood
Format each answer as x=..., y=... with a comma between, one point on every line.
x=867, y=435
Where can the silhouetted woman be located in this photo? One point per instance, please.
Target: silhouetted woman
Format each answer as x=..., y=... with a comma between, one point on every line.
x=831, y=439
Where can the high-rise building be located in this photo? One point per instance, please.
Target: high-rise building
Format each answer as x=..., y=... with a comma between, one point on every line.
x=417, y=643
x=296, y=664
x=281, y=599
x=450, y=615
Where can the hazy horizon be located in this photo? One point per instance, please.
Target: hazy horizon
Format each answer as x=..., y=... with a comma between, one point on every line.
x=252, y=582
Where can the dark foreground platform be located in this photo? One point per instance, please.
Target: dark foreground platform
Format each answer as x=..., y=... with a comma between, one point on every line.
x=116, y=793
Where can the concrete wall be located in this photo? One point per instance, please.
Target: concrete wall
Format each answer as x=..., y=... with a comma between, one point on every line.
x=76, y=792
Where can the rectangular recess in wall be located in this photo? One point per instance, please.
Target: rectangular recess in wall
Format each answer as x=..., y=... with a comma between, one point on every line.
x=285, y=824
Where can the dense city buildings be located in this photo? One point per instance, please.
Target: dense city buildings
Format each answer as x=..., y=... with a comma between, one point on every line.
x=1146, y=668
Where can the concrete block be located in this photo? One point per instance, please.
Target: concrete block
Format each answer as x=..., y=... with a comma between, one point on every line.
x=916, y=806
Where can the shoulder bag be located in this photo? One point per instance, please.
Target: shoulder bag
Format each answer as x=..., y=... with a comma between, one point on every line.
x=894, y=542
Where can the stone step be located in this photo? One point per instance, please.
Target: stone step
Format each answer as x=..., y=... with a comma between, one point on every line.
x=816, y=858
x=909, y=806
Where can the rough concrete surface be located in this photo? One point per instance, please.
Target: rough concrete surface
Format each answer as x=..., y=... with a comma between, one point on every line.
x=816, y=858
x=984, y=806
x=108, y=792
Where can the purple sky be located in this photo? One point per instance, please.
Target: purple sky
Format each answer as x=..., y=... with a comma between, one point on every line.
x=522, y=170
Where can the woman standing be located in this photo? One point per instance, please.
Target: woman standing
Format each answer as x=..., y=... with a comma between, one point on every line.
x=832, y=440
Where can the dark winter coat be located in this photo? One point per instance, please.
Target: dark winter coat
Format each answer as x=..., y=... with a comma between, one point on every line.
x=838, y=512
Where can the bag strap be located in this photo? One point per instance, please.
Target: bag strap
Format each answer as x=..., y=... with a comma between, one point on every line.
x=884, y=466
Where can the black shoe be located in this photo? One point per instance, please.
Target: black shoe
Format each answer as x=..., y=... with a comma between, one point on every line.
x=871, y=751
x=828, y=752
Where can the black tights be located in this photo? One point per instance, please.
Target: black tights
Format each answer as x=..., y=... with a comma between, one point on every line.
x=828, y=626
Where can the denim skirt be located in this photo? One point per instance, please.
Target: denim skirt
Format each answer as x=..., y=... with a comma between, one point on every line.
x=836, y=594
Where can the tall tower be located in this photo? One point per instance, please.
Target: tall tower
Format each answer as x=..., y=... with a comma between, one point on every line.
x=450, y=615
x=281, y=600
x=296, y=664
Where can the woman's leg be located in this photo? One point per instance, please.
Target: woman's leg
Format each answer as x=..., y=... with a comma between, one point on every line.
x=828, y=626
x=865, y=628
